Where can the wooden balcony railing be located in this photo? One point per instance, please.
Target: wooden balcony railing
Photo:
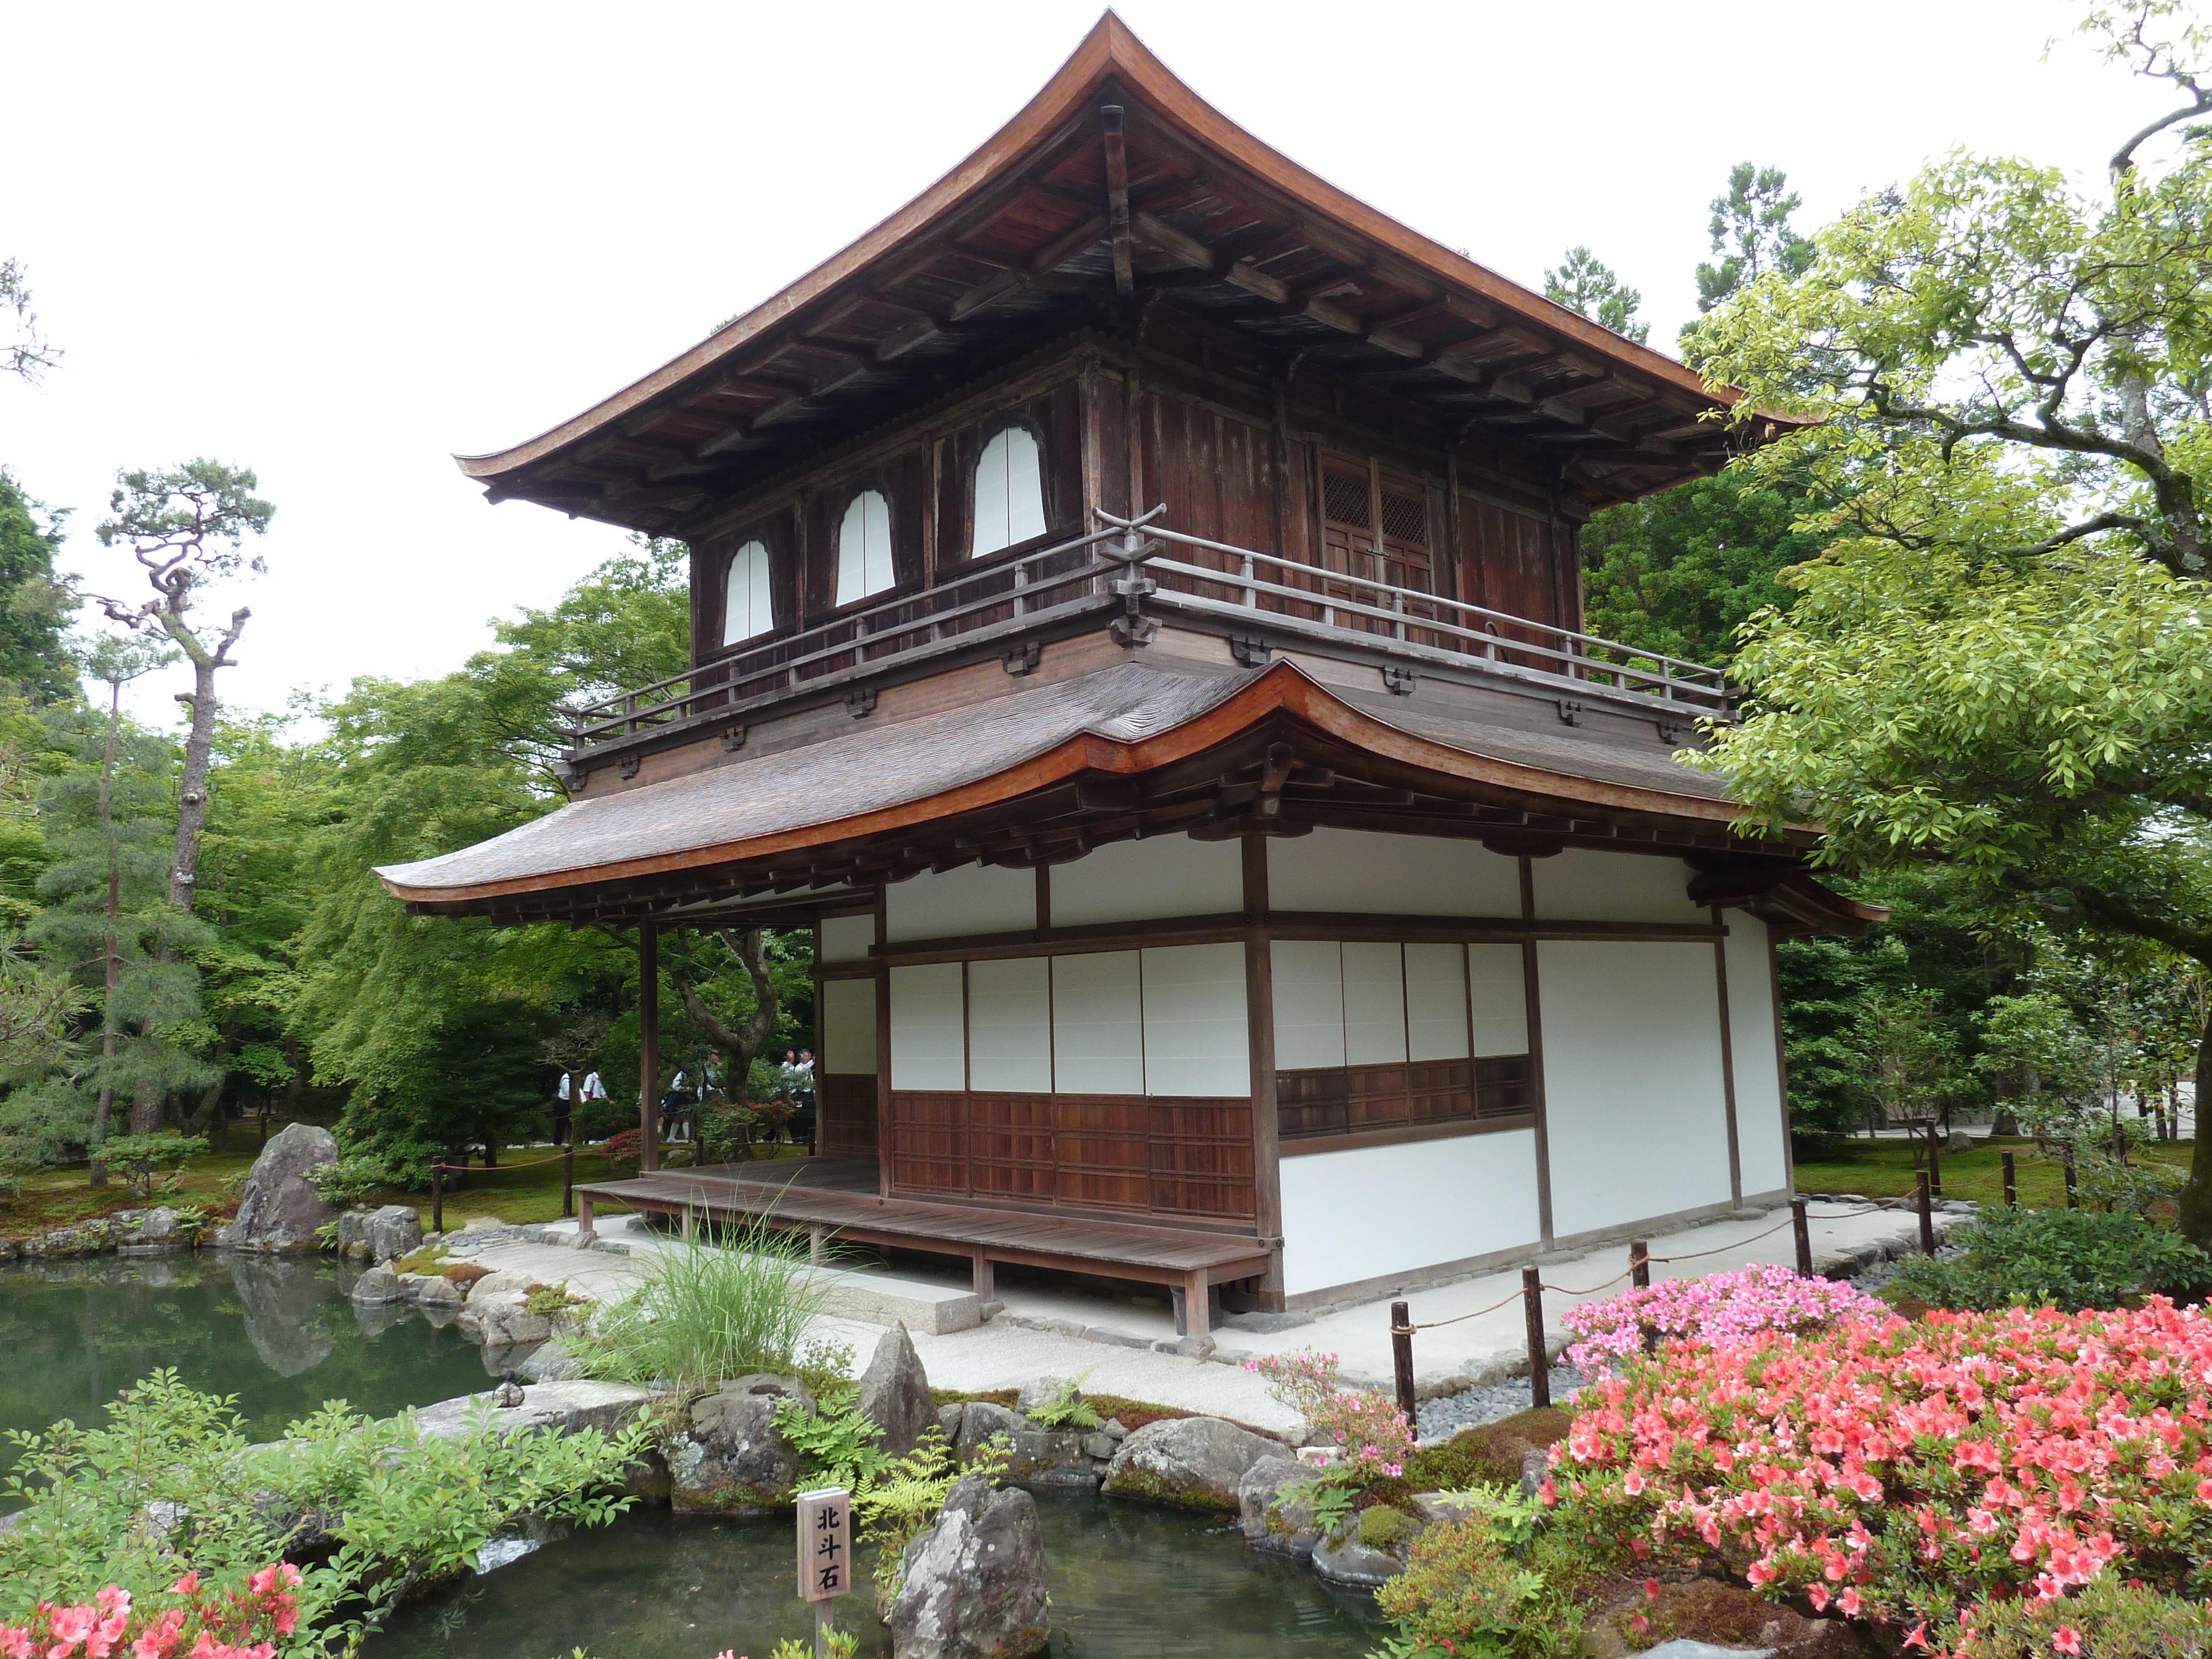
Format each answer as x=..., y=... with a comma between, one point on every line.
x=1129, y=564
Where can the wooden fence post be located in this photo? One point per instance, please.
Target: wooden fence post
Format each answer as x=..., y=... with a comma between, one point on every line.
x=2072, y=1200
x=1802, y=1228
x=1935, y=1161
x=2011, y=1183
x=1540, y=1362
x=568, y=1177
x=1401, y=1360
x=437, y=1192
x=1639, y=1264
x=1927, y=1217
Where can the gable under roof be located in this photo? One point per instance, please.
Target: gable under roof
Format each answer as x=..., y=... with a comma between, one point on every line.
x=1116, y=182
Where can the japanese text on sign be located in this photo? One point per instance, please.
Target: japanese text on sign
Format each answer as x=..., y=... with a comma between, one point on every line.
x=825, y=1544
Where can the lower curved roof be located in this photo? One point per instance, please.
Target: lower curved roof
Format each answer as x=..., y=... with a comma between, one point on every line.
x=1126, y=719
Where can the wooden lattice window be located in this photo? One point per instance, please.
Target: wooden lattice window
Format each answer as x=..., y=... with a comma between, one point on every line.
x=1375, y=527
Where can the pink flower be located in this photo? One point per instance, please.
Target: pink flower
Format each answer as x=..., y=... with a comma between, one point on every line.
x=2066, y=1640
x=70, y=1626
x=1651, y=1589
x=188, y=1585
x=17, y=1641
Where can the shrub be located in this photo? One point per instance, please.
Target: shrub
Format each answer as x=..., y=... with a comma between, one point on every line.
x=1714, y=1311
x=105, y=1506
x=221, y=1625
x=2070, y=1259
x=627, y=1147
x=1905, y=1471
x=1372, y=1435
x=2107, y=1620
x=140, y=1160
x=1466, y=1593
x=734, y=1300
x=350, y=1181
x=19, y=1161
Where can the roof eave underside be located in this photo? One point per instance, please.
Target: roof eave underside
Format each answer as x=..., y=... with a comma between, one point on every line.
x=1110, y=53
x=1488, y=793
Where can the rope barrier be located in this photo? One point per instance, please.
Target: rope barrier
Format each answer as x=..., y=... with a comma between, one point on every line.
x=1430, y=1325
x=1722, y=1249
x=495, y=1169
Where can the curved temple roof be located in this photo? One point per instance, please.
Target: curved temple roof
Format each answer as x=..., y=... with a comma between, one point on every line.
x=1114, y=184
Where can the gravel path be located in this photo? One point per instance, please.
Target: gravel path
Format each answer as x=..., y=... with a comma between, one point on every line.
x=1441, y=1416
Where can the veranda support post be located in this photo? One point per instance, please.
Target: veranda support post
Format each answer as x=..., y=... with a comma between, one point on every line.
x=2011, y=1183
x=648, y=1047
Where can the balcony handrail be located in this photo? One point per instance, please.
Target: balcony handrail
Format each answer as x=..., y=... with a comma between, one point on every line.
x=1137, y=547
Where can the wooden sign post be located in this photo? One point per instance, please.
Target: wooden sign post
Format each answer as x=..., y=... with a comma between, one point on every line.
x=825, y=1556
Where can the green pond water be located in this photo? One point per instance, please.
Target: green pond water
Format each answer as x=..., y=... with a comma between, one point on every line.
x=1127, y=1582
x=281, y=1335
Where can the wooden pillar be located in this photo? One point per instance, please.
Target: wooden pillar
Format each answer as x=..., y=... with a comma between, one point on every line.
x=1728, y=1057
x=1532, y=986
x=1260, y=1018
x=648, y=1047
x=986, y=1278
x=884, y=1134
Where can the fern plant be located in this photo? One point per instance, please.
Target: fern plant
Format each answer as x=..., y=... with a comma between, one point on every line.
x=1068, y=1409
x=835, y=1442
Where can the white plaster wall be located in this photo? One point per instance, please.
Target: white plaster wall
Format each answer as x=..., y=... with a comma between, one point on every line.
x=1762, y=1132
x=1309, y=982
x=1374, y=1004
x=976, y=898
x=928, y=1036
x=1098, y=1023
x=847, y=939
x=1498, y=991
x=1435, y=1002
x=1633, y=1091
x=1010, y=1025
x=1196, y=1041
x=1141, y=880
x=1579, y=884
x=1404, y=875
x=849, y=1026
x=1364, y=1214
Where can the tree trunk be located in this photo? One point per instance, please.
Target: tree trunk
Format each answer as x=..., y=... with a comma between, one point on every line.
x=112, y=964
x=199, y=755
x=2197, y=1194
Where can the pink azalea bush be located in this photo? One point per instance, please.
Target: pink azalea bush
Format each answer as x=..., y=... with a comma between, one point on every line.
x=1716, y=1311
x=1919, y=1475
x=1374, y=1440
x=246, y=1622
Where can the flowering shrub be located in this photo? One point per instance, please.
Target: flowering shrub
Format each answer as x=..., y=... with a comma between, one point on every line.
x=1372, y=1435
x=1905, y=1472
x=627, y=1147
x=244, y=1623
x=1471, y=1591
x=1716, y=1311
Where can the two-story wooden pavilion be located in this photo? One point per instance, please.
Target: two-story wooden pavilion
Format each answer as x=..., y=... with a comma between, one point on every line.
x=1136, y=625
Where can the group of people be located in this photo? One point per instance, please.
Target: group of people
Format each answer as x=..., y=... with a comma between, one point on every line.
x=795, y=1085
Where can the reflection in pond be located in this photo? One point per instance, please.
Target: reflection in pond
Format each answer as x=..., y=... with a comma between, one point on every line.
x=279, y=1333
x=1127, y=1582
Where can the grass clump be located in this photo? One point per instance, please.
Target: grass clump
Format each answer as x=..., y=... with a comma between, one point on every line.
x=730, y=1301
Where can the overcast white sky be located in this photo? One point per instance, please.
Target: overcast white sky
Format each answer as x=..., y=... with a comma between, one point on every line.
x=339, y=245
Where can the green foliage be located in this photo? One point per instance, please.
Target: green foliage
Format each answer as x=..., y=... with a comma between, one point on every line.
x=350, y=1181
x=1751, y=233
x=402, y=1507
x=141, y=1160
x=1585, y=285
x=31, y=655
x=1068, y=1409
x=733, y=1301
x=1467, y=1592
x=836, y=1444
x=823, y=1365
x=20, y=1159
x=554, y=1301
x=2109, y=1620
x=843, y=1645
x=2066, y=1259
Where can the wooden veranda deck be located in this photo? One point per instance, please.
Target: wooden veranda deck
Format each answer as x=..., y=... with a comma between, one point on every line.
x=835, y=1198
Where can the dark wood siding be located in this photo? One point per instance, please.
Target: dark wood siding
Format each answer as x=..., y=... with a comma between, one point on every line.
x=847, y=1124
x=1056, y=417
x=1124, y=1153
x=1321, y=1102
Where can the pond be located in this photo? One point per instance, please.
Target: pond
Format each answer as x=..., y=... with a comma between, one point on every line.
x=282, y=1335
x=1127, y=1582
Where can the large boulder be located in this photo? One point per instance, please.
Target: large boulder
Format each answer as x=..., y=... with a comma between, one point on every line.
x=375, y=1235
x=502, y=1319
x=280, y=1211
x=562, y=1407
x=726, y=1457
x=895, y=1393
x=1190, y=1462
x=974, y=1584
x=1273, y=1523
x=377, y=1287
x=1353, y=1556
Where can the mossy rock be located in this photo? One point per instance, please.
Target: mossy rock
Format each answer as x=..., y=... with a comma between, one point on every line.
x=1390, y=1530
x=464, y=1272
